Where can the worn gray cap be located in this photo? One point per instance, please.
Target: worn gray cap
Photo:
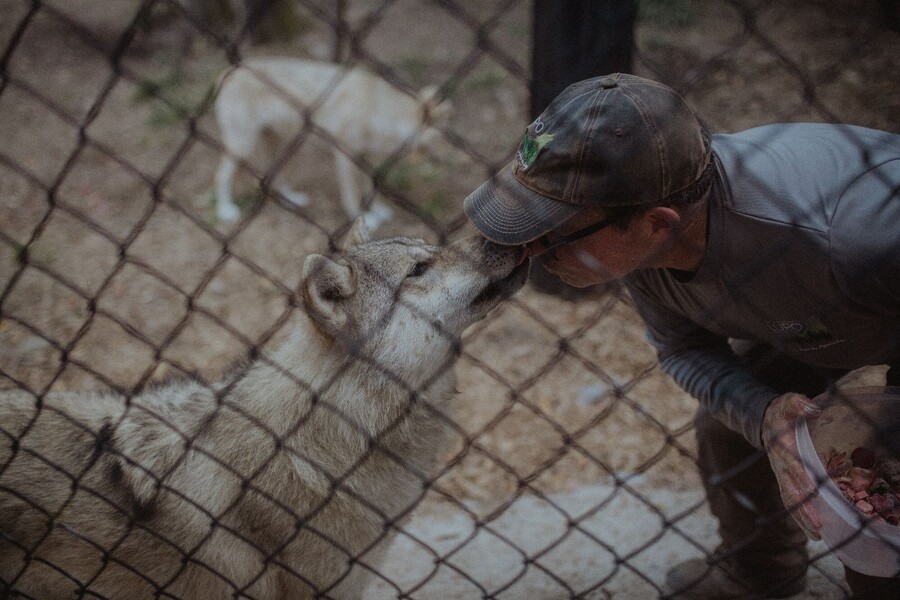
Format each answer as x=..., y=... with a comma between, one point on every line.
x=616, y=140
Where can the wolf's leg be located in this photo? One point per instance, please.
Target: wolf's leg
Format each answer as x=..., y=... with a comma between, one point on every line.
x=277, y=137
x=378, y=211
x=350, y=180
x=348, y=183
x=290, y=194
x=226, y=209
x=238, y=142
x=378, y=214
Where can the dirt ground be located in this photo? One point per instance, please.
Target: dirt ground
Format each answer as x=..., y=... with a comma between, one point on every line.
x=114, y=271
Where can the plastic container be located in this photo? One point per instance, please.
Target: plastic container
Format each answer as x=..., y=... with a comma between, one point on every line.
x=865, y=544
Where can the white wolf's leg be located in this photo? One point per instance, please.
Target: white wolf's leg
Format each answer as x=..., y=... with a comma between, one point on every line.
x=378, y=214
x=238, y=141
x=291, y=195
x=349, y=178
x=280, y=133
x=226, y=209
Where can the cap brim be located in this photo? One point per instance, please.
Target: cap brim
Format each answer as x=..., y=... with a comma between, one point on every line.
x=507, y=212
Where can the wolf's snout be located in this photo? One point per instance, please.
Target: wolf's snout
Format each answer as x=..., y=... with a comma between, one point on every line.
x=503, y=286
x=489, y=259
x=493, y=249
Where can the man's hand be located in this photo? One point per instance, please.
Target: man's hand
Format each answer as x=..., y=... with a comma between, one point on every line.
x=781, y=445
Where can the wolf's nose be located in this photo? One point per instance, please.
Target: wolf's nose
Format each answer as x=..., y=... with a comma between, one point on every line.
x=523, y=255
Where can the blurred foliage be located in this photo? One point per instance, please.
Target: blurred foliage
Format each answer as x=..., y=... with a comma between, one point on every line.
x=668, y=13
x=170, y=97
x=415, y=67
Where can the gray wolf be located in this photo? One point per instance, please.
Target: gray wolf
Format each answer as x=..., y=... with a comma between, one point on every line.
x=274, y=482
x=358, y=111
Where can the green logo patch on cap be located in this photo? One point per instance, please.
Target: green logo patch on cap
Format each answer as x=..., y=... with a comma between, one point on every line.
x=532, y=145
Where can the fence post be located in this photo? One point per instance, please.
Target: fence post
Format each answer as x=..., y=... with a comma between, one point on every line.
x=340, y=31
x=574, y=40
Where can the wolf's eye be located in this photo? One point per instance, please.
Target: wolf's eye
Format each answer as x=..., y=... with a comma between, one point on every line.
x=419, y=269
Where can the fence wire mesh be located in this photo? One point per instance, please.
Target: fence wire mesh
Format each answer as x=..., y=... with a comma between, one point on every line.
x=168, y=433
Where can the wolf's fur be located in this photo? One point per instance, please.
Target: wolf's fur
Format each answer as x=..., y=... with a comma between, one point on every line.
x=271, y=482
x=360, y=111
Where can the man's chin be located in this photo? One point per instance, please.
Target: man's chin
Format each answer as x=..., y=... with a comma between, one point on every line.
x=578, y=280
x=580, y=284
x=575, y=281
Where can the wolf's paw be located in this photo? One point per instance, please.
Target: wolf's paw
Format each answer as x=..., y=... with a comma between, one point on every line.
x=295, y=198
x=227, y=211
x=376, y=216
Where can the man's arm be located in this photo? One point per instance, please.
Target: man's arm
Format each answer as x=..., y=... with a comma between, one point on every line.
x=705, y=366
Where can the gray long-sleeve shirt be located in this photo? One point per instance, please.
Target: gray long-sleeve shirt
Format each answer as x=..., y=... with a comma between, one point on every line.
x=803, y=254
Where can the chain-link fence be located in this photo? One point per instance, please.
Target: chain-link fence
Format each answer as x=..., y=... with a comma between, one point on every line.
x=565, y=466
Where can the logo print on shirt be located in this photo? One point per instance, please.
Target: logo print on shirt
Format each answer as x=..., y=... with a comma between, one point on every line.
x=810, y=331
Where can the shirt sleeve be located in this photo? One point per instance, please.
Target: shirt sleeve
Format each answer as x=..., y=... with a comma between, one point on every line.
x=704, y=365
x=865, y=239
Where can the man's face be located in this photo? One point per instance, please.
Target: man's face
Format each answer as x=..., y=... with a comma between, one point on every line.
x=600, y=257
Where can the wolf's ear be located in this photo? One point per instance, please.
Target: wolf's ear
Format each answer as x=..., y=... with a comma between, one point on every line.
x=358, y=234
x=325, y=285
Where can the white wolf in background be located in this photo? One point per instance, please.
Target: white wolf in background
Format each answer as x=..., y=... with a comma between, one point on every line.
x=269, y=485
x=363, y=113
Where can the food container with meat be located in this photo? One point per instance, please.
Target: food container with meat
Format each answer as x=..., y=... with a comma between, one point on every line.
x=852, y=452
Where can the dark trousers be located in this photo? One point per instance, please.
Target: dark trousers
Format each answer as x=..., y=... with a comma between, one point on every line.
x=743, y=491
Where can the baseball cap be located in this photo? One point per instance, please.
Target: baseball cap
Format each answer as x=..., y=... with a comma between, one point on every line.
x=615, y=140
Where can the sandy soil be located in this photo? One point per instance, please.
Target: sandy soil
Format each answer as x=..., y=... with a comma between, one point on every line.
x=114, y=272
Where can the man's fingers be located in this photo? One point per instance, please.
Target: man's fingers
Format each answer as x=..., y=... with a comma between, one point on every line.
x=803, y=408
x=797, y=488
x=796, y=495
x=809, y=526
x=805, y=515
x=811, y=518
x=803, y=485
